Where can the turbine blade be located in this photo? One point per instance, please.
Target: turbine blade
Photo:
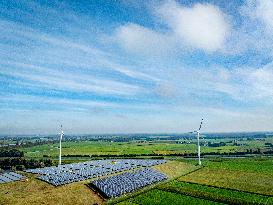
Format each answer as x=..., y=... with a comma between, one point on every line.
x=201, y=124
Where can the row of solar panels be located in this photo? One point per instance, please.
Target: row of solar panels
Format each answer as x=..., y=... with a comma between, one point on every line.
x=9, y=177
x=69, y=173
x=93, y=164
x=126, y=182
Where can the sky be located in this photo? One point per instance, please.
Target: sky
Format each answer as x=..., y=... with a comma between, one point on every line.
x=124, y=66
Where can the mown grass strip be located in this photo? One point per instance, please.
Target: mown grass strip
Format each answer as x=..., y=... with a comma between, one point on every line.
x=215, y=194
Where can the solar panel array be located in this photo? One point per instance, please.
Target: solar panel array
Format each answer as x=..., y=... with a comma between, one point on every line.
x=10, y=177
x=126, y=182
x=69, y=173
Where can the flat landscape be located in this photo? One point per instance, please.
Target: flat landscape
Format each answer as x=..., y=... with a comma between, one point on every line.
x=154, y=147
x=136, y=102
x=222, y=178
x=216, y=183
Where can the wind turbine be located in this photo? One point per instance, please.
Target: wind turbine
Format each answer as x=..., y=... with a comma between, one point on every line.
x=60, y=154
x=198, y=141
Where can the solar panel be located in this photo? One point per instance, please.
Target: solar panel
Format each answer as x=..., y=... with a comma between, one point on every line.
x=69, y=173
x=126, y=182
x=9, y=177
x=16, y=175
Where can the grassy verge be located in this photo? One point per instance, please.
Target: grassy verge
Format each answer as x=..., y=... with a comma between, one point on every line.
x=175, y=169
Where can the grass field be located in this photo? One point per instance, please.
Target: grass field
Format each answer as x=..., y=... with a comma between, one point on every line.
x=34, y=191
x=239, y=180
x=251, y=175
x=262, y=165
x=215, y=194
x=175, y=169
x=103, y=148
x=155, y=197
x=123, y=148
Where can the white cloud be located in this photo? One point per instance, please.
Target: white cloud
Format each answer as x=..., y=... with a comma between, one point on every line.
x=139, y=39
x=242, y=84
x=202, y=26
x=260, y=81
x=265, y=12
x=261, y=10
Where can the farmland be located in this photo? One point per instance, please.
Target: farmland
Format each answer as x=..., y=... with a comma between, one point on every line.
x=228, y=181
x=245, y=177
x=232, y=172
x=218, y=181
x=155, y=148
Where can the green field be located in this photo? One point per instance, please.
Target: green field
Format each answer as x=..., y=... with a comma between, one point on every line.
x=239, y=180
x=215, y=194
x=257, y=164
x=156, y=196
x=104, y=148
x=139, y=148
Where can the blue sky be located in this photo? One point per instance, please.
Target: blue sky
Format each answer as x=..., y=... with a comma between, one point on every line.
x=136, y=66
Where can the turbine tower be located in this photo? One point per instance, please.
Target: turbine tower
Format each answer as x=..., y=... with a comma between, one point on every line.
x=60, y=154
x=198, y=142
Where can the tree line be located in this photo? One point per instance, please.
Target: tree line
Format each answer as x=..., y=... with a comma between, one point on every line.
x=14, y=159
x=11, y=153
